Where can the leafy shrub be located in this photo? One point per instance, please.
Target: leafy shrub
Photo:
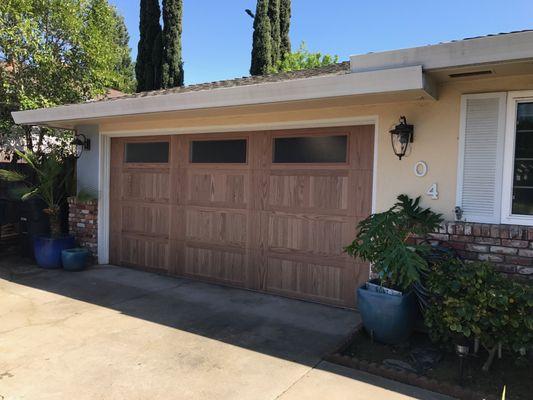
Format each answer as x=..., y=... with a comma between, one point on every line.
x=474, y=301
x=384, y=240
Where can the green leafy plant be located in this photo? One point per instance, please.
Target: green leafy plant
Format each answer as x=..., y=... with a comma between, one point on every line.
x=387, y=241
x=302, y=59
x=52, y=178
x=472, y=300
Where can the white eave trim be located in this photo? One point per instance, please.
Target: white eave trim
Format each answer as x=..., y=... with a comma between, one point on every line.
x=484, y=50
x=366, y=83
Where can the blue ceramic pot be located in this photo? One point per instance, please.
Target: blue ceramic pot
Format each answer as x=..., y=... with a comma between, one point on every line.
x=388, y=318
x=74, y=259
x=48, y=250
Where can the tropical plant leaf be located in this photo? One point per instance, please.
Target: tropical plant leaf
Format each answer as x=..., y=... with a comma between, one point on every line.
x=11, y=176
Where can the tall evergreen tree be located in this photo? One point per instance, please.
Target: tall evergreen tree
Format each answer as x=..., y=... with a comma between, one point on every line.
x=262, y=40
x=285, y=25
x=148, y=67
x=172, y=67
x=124, y=65
x=275, y=29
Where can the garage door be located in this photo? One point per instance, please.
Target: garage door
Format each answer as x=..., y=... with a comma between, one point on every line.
x=268, y=211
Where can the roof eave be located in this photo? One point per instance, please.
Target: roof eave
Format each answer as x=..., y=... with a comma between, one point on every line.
x=350, y=84
x=510, y=47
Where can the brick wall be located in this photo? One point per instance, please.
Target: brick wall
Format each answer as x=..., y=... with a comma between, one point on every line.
x=82, y=221
x=508, y=247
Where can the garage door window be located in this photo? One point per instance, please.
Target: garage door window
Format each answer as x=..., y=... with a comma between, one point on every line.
x=146, y=152
x=310, y=149
x=218, y=151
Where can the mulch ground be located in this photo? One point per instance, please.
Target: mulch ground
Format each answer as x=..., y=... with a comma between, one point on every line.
x=442, y=376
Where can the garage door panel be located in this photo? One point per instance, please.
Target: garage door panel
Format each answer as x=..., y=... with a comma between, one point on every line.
x=309, y=191
x=213, y=225
x=306, y=234
x=305, y=280
x=218, y=188
x=362, y=148
x=146, y=219
x=143, y=251
x=215, y=264
x=361, y=193
x=151, y=186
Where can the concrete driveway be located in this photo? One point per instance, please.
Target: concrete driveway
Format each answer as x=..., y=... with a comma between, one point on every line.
x=115, y=333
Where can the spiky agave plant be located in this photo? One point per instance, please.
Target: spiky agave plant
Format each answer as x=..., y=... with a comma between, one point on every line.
x=51, y=175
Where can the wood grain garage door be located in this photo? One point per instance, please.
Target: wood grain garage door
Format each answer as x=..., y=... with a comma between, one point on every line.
x=265, y=223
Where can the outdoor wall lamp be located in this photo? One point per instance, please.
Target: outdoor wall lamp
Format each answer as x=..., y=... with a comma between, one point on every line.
x=80, y=143
x=401, y=136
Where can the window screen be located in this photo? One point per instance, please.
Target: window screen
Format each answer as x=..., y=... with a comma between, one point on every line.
x=146, y=152
x=310, y=149
x=218, y=151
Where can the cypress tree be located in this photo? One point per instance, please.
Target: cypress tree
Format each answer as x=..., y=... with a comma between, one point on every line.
x=172, y=67
x=148, y=66
x=275, y=34
x=262, y=40
x=285, y=25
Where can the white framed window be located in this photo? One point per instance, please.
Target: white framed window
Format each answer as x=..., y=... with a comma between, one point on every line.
x=480, y=161
x=517, y=187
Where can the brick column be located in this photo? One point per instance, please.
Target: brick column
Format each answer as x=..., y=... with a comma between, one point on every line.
x=82, y=222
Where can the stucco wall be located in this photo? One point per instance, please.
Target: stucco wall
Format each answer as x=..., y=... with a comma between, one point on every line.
x=436, y=133
x=88, y=163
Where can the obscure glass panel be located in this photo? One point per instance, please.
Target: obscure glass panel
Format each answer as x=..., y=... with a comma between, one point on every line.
x=310, y=149
x=218, y=151
x=523, y=164
x=146, y=152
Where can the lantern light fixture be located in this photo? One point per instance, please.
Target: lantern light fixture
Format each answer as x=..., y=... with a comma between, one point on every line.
x=80, y=144
x=401, y=136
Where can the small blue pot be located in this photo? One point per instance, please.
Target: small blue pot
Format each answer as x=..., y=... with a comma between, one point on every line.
x=48, y=250
x=388, y=318
x=74, y=259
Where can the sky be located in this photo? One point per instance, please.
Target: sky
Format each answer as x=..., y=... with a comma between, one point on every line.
x=217, y=34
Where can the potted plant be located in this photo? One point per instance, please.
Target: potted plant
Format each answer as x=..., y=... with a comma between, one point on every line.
x=388, y=303
x=50, y=185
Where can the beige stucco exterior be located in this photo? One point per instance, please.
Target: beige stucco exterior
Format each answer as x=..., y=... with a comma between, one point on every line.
x=436, y=131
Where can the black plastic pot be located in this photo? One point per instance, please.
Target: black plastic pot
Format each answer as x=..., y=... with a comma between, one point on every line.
x=387, y=318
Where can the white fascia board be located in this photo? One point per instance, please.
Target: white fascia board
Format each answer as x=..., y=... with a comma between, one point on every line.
x=372, y=82
x=484, y=50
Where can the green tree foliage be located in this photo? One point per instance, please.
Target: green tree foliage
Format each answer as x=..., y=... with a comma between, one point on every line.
x=55, y=52
x=302, y=59
x=149, y=53
x=262, y=40
x=472, y=300
x=172, y=67
x=285, y=25
x=125, y=68
x=275, y=30
x=384, y=239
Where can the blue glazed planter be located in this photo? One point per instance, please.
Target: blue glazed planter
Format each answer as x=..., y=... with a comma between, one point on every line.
x=48, y=250
x=74, y=259
x=390, y=319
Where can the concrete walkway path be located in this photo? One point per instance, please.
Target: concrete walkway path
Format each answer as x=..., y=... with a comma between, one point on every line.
x=115, y=333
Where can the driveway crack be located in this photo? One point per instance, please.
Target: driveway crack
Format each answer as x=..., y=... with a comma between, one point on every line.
x=298, y=380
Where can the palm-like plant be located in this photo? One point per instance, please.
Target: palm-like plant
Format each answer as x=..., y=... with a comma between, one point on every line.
x=51, y=181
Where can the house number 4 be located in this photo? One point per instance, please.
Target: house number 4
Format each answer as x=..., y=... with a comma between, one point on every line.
x=433, y=192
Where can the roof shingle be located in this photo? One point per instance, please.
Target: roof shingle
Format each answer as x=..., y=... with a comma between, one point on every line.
x=333, y=69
